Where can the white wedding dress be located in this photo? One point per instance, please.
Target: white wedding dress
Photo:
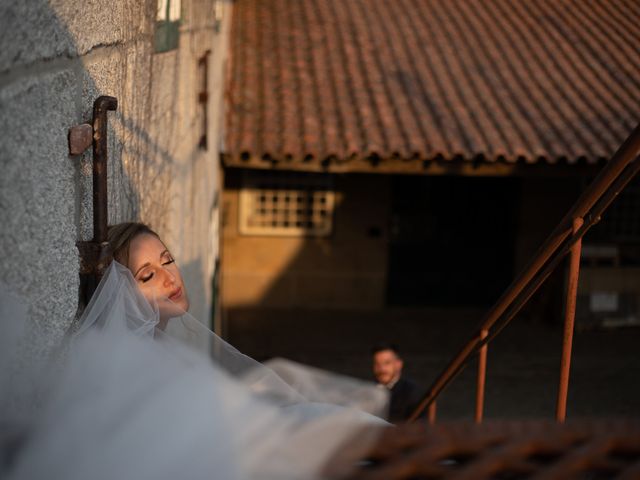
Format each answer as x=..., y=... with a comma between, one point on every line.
x=126, y=400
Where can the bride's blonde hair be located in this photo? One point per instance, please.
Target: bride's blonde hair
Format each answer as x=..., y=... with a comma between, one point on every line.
x=120, y=237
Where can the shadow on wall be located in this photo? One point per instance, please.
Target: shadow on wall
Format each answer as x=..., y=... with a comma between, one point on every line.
x=44, y=90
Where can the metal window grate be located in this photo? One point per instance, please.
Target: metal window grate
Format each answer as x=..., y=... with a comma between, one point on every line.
x=286, y=204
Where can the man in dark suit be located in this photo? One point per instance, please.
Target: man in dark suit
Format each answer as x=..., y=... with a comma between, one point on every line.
x=405, y=393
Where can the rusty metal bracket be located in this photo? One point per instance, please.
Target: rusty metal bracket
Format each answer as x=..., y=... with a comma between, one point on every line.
x=80, y=138
x=94, y=255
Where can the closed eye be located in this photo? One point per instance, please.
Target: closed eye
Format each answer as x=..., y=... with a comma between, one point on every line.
x=146, y=278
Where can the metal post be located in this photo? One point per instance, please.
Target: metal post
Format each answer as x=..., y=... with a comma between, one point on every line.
x=569, y=320
x=431, y=413
x=482, y=374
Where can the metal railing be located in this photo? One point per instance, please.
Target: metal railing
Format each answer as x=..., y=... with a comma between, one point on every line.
x=565, y=239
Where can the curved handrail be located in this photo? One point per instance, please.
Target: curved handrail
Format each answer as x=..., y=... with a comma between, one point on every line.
x=587, y=210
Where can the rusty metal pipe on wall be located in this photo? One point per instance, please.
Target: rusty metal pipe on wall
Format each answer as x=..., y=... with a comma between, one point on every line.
x=619, y=171
x=100, y=212
x=94, y=254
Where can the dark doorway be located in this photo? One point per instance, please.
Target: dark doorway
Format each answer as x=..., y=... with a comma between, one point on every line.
x=452, y=240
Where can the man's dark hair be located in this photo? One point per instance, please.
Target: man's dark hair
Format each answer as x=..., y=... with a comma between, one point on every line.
x=380, y=347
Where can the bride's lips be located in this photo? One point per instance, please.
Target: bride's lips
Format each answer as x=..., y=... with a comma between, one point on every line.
x=175, y=295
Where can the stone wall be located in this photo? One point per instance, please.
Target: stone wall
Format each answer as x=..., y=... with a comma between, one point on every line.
x=56, y=58
x=346, y=269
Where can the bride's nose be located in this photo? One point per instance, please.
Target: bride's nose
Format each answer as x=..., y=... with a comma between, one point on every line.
x=169, y=278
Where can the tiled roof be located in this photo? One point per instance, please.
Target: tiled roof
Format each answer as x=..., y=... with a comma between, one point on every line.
x=347, y=84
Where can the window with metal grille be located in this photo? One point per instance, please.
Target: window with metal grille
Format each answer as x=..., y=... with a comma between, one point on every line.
x=286, y=204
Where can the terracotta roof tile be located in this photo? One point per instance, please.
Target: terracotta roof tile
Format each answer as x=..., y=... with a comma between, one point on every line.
x=343, y=84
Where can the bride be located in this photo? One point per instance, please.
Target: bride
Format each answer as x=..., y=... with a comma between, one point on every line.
x=143, y=390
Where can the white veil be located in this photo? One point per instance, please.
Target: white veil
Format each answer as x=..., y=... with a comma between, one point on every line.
x=133, y=401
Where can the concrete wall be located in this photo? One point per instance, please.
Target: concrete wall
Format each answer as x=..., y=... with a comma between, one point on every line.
x=344, y=270
x=56, y=58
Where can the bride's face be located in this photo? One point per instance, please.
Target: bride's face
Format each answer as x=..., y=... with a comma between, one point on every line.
x=157, y=275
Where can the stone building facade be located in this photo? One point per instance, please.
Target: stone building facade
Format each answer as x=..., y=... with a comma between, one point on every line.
x=56, y=59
